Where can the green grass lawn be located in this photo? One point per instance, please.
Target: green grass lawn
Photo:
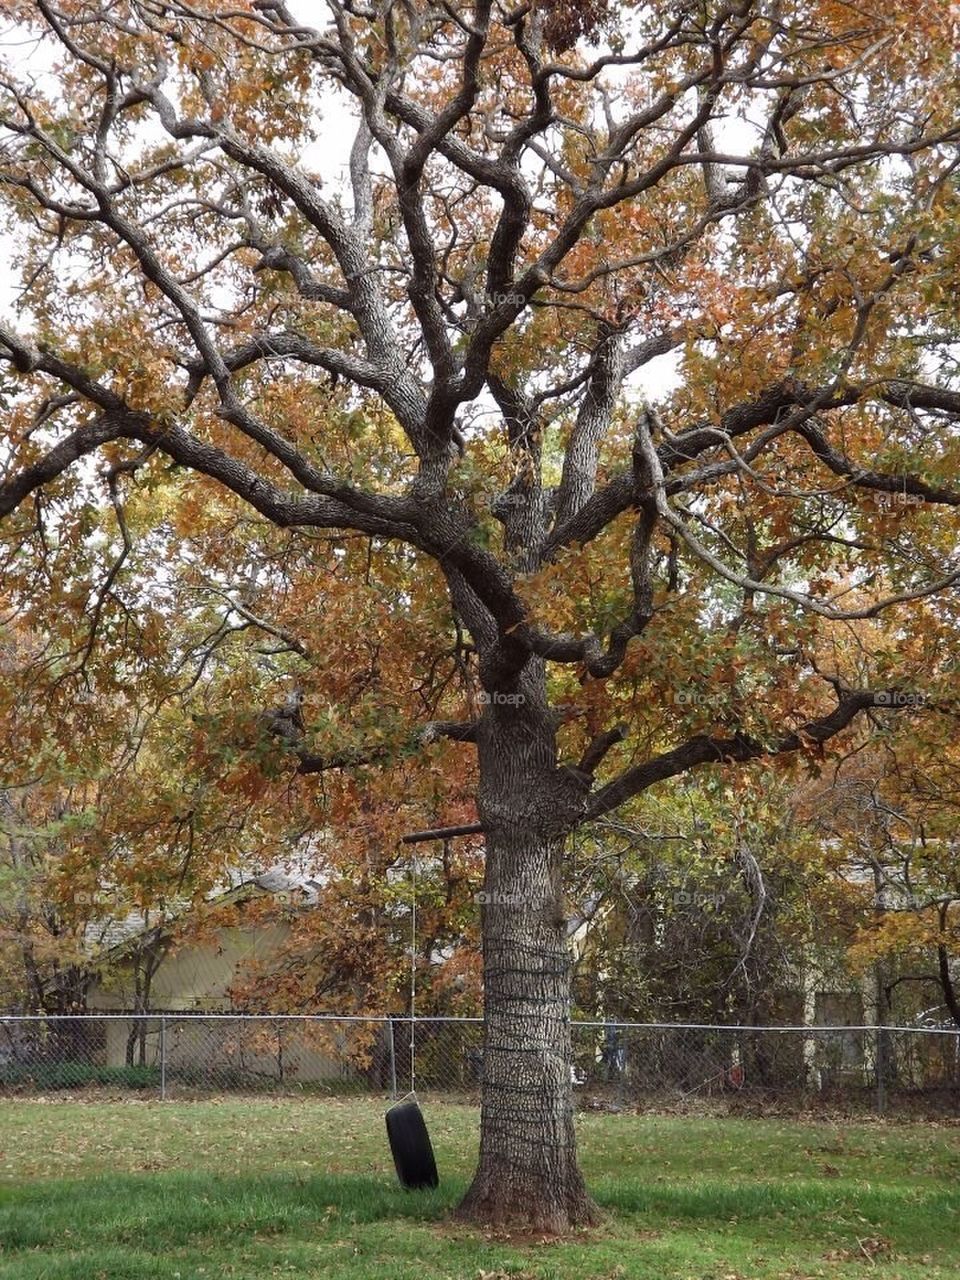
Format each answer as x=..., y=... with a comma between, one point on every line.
x=253, y=1189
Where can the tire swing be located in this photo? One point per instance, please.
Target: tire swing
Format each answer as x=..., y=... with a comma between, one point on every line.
x=406, y=1128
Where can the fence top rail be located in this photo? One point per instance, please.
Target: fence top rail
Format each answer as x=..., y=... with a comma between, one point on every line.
x=771, y=1027
x=167, y=1015
x=175, y=1015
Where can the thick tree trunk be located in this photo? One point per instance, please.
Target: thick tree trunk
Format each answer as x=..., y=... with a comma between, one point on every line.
x=528, y=1174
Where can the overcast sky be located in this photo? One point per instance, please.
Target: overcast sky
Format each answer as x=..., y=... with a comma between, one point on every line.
x=328, y=155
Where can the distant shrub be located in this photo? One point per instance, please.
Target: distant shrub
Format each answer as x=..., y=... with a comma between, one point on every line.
x=75, y=1075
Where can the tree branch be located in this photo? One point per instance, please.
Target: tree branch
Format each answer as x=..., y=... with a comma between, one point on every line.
x=597, y=751
x=704, y=749
x=443, y=833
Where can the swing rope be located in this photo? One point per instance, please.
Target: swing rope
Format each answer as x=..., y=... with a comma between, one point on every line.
x=412, y=1092
x=413, y=976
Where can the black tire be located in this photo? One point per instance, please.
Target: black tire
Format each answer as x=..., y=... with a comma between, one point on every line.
x=410, y=1144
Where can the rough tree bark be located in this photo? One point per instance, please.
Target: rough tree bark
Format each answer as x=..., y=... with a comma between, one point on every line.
x=528, y=1172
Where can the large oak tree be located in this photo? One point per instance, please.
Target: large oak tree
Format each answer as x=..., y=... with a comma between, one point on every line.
x=443, y=356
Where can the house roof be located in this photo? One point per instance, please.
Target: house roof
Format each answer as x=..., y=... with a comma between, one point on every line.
x=110, y=936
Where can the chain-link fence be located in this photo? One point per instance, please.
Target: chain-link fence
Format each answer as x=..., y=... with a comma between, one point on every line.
x=896, y=1069
x=178, y=1054
x=614, y=1065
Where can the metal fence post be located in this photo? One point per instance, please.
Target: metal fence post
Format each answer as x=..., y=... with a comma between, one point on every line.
x=392, y=1050
x=880, y=1054
x=163, y=1057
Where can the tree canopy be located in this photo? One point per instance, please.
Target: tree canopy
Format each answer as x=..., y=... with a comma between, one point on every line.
x=600, y=424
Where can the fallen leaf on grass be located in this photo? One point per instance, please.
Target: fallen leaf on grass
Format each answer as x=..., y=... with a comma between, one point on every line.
x=505, y=1275
x=867, y=1249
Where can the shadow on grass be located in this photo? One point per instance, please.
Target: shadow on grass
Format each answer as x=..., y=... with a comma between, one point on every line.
x=174, y=1208
x=177, y=1209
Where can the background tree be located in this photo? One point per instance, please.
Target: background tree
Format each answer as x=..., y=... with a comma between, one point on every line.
x=45, y=966
x=887, y=821
x=440, y=359
x=699, y=904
